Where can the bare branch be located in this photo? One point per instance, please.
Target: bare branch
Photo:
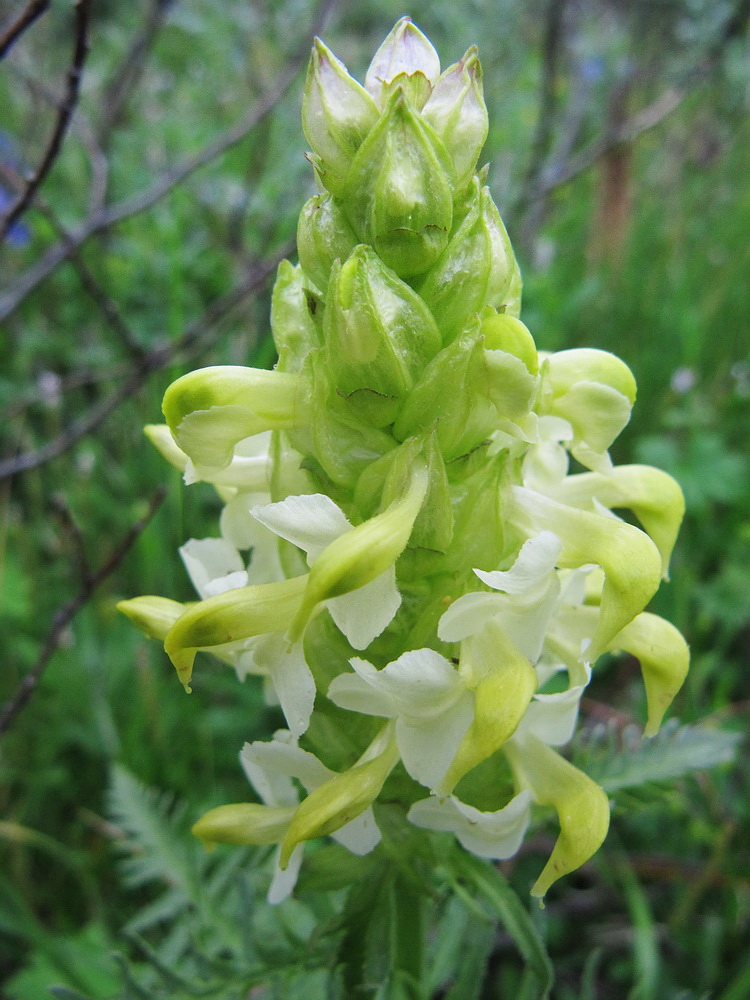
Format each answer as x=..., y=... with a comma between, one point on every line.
x=154, y=360
x=33, y=10
x=128, y=207
x=64, y=615
x=72, y=88
x=129, y=72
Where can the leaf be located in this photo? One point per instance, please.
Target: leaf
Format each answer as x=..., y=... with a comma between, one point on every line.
x=515, y=918
x=631, y=759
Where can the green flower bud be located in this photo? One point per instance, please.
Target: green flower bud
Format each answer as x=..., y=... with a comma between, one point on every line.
x=399, y=194
x=474, y=271
x=323, y=236
x=337, y=114
x=295, y=318
x=406, y=59
x=451, y=395
x=379, y=336
x=457, y=112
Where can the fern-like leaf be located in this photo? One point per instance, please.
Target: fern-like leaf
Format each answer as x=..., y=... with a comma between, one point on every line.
x=619, y=760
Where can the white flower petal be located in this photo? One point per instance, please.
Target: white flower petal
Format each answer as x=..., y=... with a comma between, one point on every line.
x=361, y=835
x=422, y=683
x=283, y=882
x=294, y=685
x=363, y=614
x=428, y=748
x=209, y=559
x=282, y=756
x=531, y=570
x=224, y=583
x=552, y=717
x=489, y=835
x=275, y=788
x=467, y=615
x=311, y=521
x=351, y=692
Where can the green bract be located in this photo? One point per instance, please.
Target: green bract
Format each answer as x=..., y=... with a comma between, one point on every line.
x=399, y=486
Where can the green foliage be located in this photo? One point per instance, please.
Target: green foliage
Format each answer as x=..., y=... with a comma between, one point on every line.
x=673, y=302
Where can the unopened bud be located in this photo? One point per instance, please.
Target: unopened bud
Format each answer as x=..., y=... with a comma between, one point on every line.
x=475, y=269
x=457, y=112
x=337, y=114
x=406, y=58
x=379, y=336
x=399, y=194
x=323, y=236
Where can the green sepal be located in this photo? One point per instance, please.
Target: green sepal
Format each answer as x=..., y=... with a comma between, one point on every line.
x=379, y=336
x=630, y=560
x=582, y=806
x=344, y=797
x=243, y=823
x=323, y=236
x=479, y=485
x=342, y=443
x=229, y=617
x=296, y=315
x=337, y=114
x=664, y=657
x=399, y=194
x=504, y=682
x=474, y=270
x=154, y=616
x=452, y=396
x=210, y=410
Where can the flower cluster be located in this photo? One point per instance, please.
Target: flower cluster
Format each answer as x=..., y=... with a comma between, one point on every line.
x=404, y=557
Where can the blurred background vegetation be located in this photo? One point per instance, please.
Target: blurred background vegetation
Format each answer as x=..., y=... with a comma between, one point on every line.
x=619, y=149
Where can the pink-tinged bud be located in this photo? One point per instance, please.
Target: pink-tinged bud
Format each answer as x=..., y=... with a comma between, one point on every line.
x=405, y=53
x=337, y=114
x=457, y=112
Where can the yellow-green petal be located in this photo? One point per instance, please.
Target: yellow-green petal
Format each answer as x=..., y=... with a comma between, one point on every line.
x=235, y=614
x=501, y=699
x=630, y=560
x=581, y=805
x=340, y=800
x=154, y=616
x=664, y=657
x=243, y=823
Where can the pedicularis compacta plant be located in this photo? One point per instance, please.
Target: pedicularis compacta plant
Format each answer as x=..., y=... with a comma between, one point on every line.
x=404, y=557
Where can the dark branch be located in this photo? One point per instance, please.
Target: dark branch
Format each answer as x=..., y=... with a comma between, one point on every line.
x=65, y=113
x=67, y=613
x=154, y=360
x=104, y=219
x=25, y=19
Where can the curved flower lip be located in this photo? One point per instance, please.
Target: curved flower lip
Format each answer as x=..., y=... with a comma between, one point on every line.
x=496, y=835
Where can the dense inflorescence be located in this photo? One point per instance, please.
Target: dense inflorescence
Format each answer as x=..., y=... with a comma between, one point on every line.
x=404, y=556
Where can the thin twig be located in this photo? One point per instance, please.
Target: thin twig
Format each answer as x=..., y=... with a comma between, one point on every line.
x=131, y=68
x=33, y=10
x=128, y=207
x=153, y=360
x=72, y=90
x=60, y=507
x=64, y=615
